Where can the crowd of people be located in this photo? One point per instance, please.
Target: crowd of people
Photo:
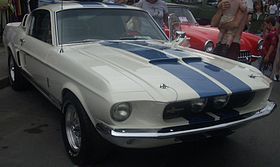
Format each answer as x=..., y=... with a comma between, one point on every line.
x=265, y=21
x=258, y=18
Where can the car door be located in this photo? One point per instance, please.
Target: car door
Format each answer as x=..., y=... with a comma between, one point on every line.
x=35, y=47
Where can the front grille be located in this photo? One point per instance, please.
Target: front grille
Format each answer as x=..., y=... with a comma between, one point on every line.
x=240, y=99
x=244, y=56
x=182, y=109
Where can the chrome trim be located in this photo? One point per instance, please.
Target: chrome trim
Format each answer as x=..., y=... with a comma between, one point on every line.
x=261, y=40
x=73, y=127
x=56, y=102
x=204, y=48
x=245, y=56
x=256, y=57
x=155, y=134
x=207, y=43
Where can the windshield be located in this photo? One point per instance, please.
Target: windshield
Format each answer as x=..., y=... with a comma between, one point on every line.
x=183, y=14
x=82, y=25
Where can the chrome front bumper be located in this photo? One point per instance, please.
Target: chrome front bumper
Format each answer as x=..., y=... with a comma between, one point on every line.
x=115, y=135
x=247, y=58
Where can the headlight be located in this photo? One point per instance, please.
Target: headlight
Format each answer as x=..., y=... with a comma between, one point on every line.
x=198, y=105
x=220, y=101
x=120, y=111
x=209, y=46
x=260, y=44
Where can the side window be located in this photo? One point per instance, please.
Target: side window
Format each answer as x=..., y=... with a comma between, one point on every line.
x=40, y=26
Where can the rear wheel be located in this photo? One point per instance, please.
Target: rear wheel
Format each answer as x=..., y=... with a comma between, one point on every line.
x=17, y=81
x=82, y=142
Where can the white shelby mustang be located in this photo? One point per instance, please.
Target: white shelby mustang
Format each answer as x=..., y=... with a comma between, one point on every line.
x=126, y=84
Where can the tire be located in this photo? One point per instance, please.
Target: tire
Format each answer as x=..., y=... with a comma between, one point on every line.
x=82, y=142
x=17, y=81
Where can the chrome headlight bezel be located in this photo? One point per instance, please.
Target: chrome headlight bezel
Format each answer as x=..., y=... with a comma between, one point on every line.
x=220, y=102
x=209, y=46
x=198, y=105
x=121, y=111
x=260, y=44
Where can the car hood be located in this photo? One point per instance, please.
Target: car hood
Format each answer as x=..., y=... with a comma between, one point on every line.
x=166, y=73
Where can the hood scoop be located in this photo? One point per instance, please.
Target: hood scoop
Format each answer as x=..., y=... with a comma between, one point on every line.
x=191, y=59
x=163, y=61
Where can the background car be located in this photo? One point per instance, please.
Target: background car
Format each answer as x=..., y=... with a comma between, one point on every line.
x=203, y=10
x=205, y=38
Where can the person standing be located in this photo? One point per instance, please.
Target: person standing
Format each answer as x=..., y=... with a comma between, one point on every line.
x=157, y=9
x=257, y=19
x=226, y=36
x=239, y=22
x=276, y=65
x=272, y=8
x=270, y=43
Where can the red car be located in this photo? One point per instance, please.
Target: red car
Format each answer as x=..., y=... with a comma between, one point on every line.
x=205, y=37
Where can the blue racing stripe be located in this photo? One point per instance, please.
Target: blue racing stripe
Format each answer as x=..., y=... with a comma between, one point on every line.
x=199, y=83
x=177, y=52
x=89, y=4
x=144, y=43
x=227, y=79
x=146, y=53
x=224, y=77
x=202, y=85
x=169, y=50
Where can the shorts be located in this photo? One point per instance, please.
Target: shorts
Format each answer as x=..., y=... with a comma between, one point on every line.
x=231, y=52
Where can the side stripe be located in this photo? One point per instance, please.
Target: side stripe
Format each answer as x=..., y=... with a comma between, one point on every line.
x=201, y=84
x=224, y=77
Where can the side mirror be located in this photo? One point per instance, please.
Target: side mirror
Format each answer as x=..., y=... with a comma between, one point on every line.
x=176, y=36
x=181, y=39
x=174, y=25
x=180, y=34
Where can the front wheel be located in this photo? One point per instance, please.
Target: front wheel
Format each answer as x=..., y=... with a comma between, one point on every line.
x=82, y=142
x=17, y=81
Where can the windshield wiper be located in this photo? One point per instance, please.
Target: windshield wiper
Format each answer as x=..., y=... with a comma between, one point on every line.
x=85, y=40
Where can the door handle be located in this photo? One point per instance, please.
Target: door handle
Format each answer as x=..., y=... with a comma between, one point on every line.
x=21, y=41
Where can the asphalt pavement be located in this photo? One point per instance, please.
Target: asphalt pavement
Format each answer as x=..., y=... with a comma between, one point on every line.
x=3, y=67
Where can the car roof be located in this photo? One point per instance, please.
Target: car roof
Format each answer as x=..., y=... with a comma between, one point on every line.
x=58, y=6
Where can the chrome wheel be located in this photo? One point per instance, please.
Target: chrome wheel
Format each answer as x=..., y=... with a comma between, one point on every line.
x=12, y=70
x=73, y=128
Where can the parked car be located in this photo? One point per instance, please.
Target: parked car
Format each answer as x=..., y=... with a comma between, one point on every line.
x=127, y=84
x=203, y=10
x=205, y=38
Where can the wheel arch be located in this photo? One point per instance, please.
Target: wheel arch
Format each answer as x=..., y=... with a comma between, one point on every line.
x=73, y=90
x=10, y=52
